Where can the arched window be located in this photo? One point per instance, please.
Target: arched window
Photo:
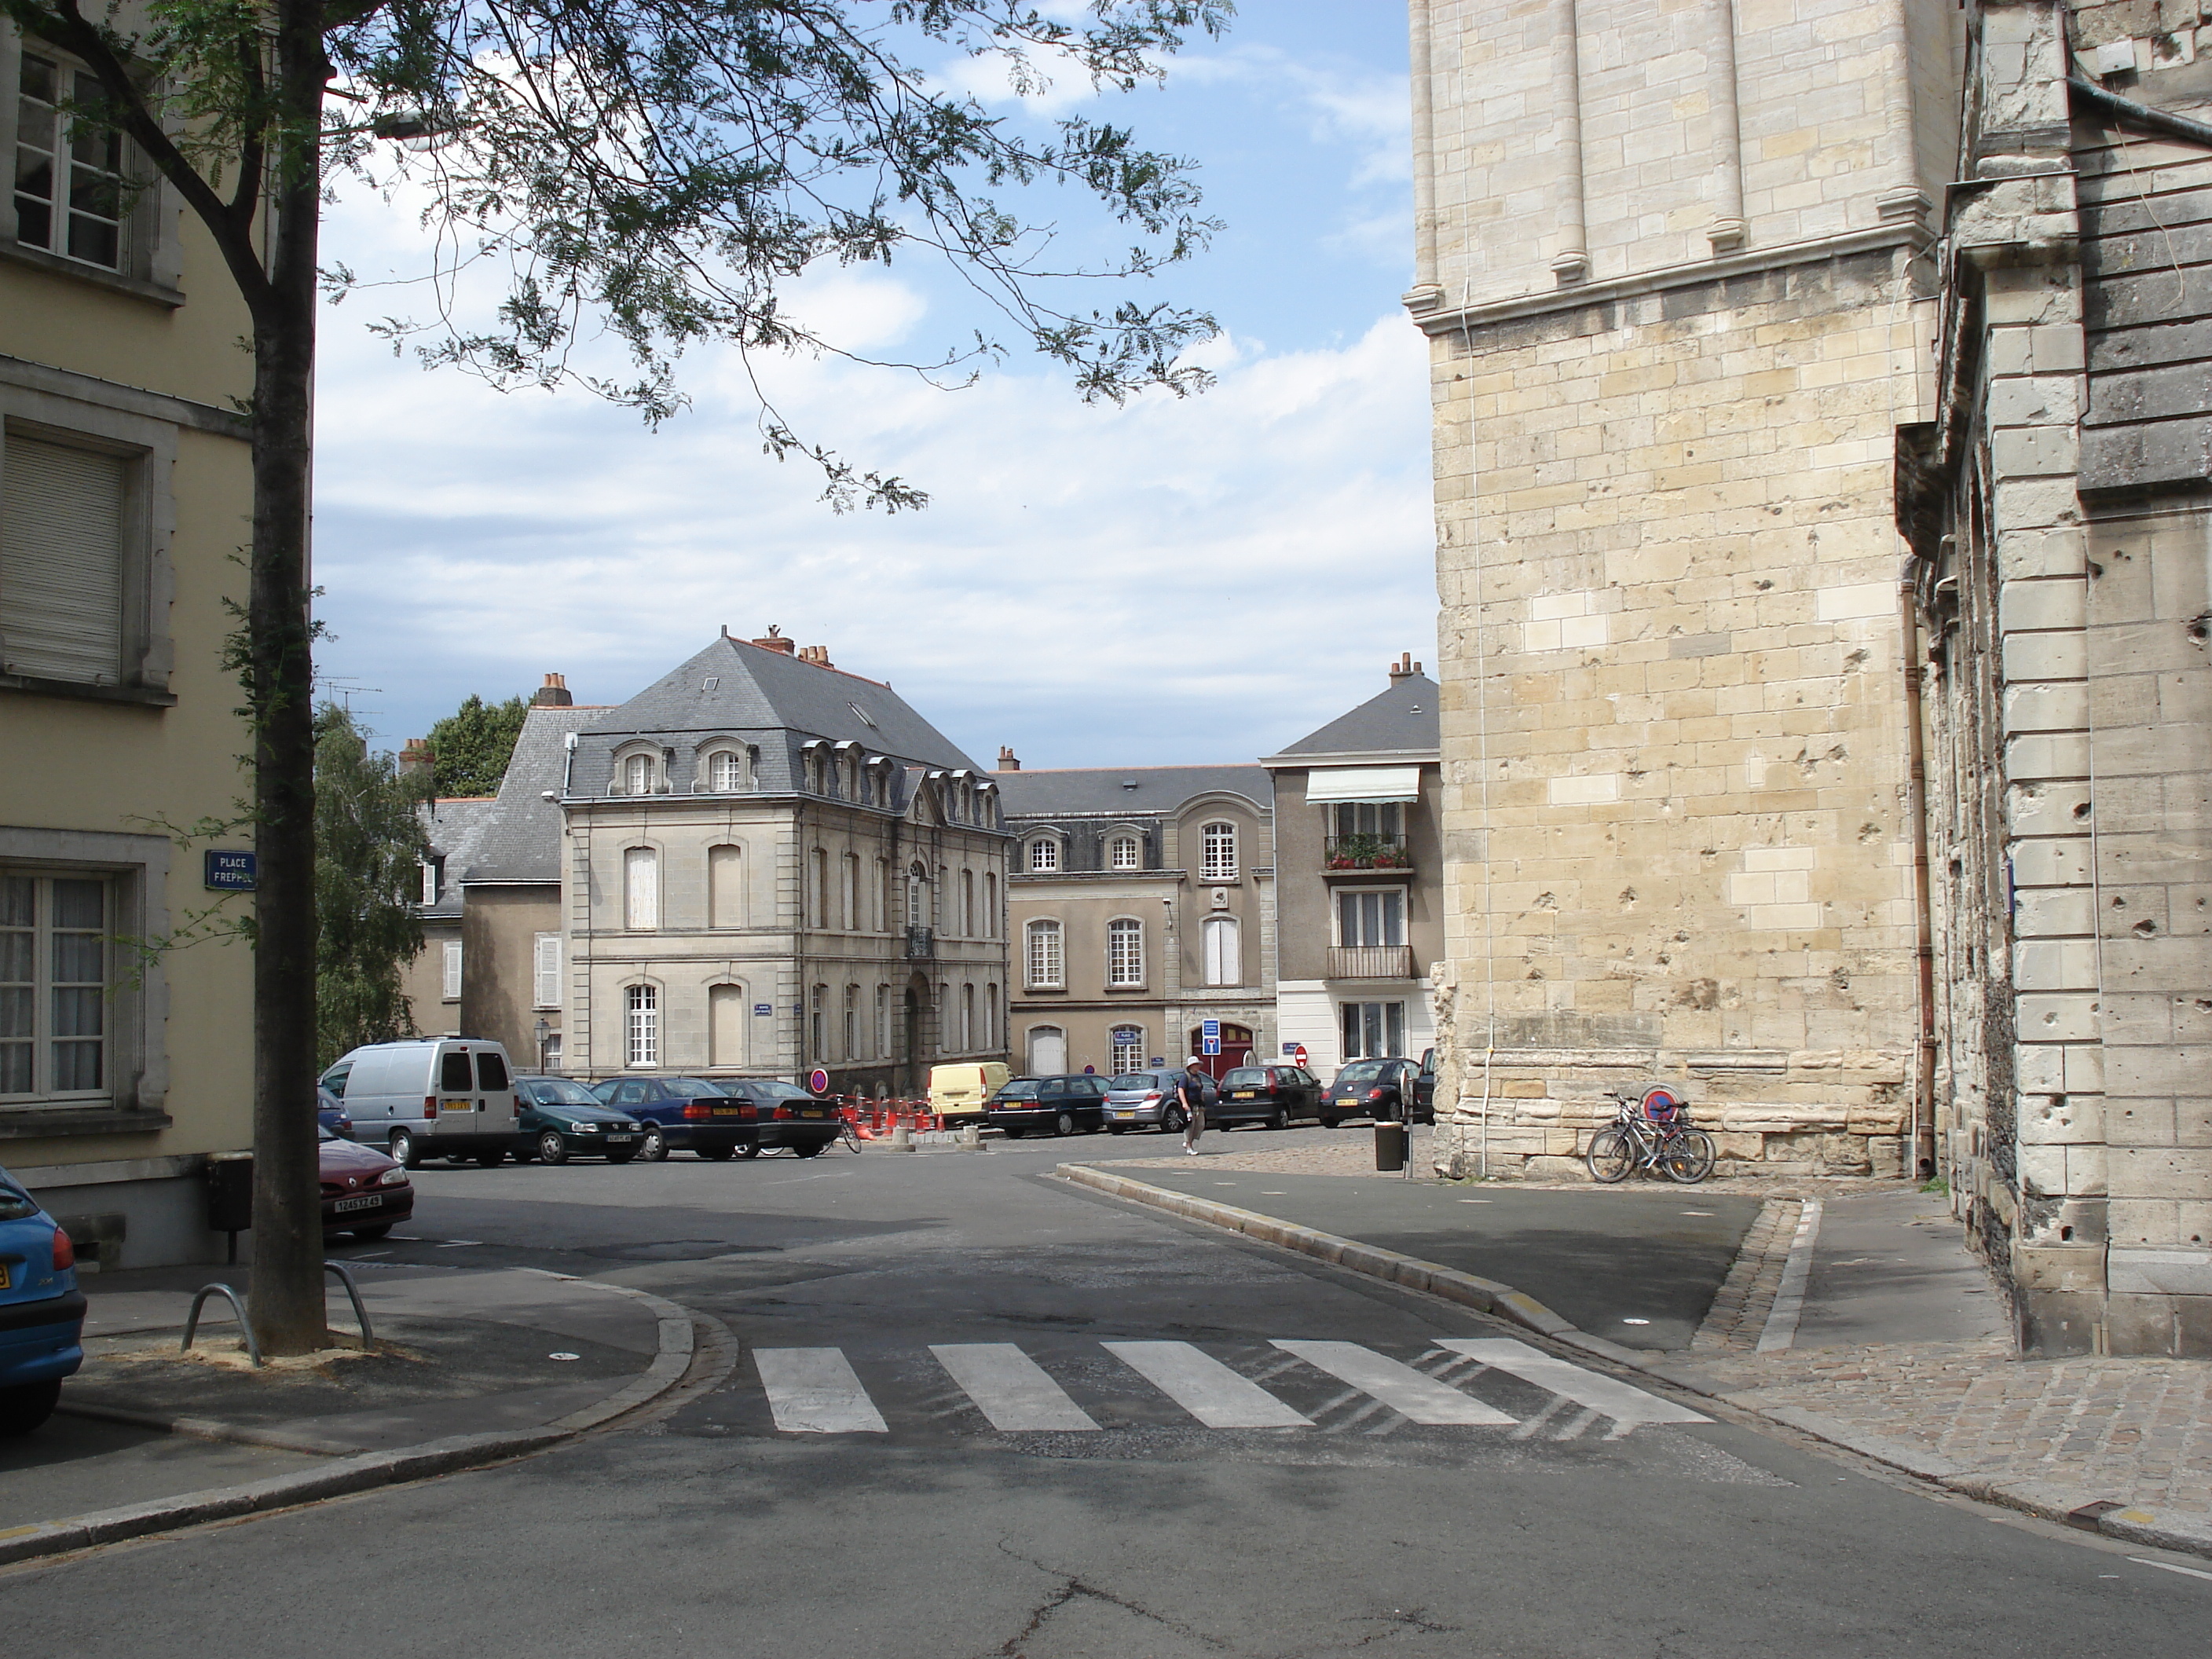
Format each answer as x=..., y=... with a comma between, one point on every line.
x=1225, y=951
x=726, y=886
x=637, y=776
x=1047, y=970
x=640, y=889
x=968, y=904
x=1048, y=1050
x=725, y=1024
x=880, y=900
x=849, y=892
x=1127, y=1047
x=852, y=1051
x=816, y=1014
x=1125, y=952
x=1044, y=855
x=1126, y=852
x=990, y=904
x=1218, y=851
x=990, y=1018
x=967, y=1018
x=643, y=1014
x=817, y=889
x=917, y=897
x=883, y=1021
x=726, y=772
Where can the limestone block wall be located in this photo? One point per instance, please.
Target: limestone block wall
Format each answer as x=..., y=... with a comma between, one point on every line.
x=1678, y=817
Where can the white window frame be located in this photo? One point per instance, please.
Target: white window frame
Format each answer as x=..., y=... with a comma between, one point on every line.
x=1125, y=851
x=34, y=935
x=1126, y=1048
x=1045, y=964
x=739, y=760
x=1125, y=952
x=1359, y=1049
x=450, y=979
x=1220, y=966
x=642, y=1024
x=1352, y=895
x=1044, y=857
x=640, y=897
x=637, y=773
x=545, y=971
x=1218, y=851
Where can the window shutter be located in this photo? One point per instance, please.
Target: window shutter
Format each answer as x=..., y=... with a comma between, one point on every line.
x=452, y=968
x=548, y=970
x=61, y=562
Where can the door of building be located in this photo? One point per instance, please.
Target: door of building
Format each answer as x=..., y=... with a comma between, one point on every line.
x=1235, y=1048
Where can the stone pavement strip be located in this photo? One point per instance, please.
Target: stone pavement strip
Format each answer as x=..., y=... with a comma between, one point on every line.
x=2122, y=1446
x=471, y=1367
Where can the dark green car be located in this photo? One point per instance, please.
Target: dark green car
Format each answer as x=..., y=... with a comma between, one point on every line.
x=560, y=1120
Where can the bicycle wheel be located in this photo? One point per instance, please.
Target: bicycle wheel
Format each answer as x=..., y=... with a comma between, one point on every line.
x=1687, y=1155
x=1611, y=1155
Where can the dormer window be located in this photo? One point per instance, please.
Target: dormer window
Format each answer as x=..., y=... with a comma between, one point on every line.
x=729, y=771
x=1125, y=853
x=637, y=774
x=1044, y=856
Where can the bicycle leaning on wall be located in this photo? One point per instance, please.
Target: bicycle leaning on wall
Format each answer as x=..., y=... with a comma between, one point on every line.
x=1649, y=1132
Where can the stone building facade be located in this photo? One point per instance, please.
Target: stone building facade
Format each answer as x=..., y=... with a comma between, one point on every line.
x=1142, y=903
x=2060, y=532
x=1673, y=269
x=1359, y=877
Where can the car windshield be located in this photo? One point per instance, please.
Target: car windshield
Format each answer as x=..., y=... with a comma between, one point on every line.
x=1018, y=1091
x=778, y=1091
x=1136, y=1080
x=1245, y=1077
x=1362, y=1071
x=559, y=1091
x=697, y=1085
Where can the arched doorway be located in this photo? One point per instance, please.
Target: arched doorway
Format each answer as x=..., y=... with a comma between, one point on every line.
x=1235, y=1048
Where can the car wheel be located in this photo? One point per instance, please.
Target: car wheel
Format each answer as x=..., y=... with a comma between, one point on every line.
x=718, y=1154
x=1063, y=1126
x=656, y=1145
x=369, y=1235
x=1328, y=1122
x=1281, y=1120
x=402, y=1151
x=623, y=1155
x=751, y=1149
x=553, y=1146
x=1172, y=1119
x=812, y=1149
x=23, y=1407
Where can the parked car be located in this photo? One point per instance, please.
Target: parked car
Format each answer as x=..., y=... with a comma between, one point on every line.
x=41, y=1311
x=364, y=1192
x=1143, y=1100
x=1376, y=1089
x=449, y=1097
x=789, y=1117
x=1056, y=1105
x=721, y=1118
x=330, y=1113
x=1273, y=1095
x=560, y=1118
x=957, y=1093
x=1424, y=1089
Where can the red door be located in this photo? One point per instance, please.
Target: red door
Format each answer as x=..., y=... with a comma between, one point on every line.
x=1236, y=1050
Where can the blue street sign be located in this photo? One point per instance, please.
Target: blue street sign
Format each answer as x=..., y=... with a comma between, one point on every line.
x=1158, y=1060
x=1211, y=1046
x=230, y=870
x=762, y=1010
x=1211, y=1030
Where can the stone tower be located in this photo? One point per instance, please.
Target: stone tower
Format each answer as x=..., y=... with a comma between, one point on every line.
x=1673, y=265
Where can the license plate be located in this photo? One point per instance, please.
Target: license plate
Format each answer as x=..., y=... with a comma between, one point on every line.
x=804, y=1113
x=457, y=1106
x=728, y=1111
x=612, y=1139
x=1243, y=1094
x=369, y=1202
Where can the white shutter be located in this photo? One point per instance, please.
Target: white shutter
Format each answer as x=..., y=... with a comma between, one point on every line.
x=61, y=562
x=641, y=889
x=548, y=965
x=452, y=969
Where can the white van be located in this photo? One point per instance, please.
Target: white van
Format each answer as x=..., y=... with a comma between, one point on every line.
x=433, y=1097
x=957, y=1093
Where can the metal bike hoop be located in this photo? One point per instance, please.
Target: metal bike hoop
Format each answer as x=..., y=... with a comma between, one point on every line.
x=238, y=1308
x=353, y=1295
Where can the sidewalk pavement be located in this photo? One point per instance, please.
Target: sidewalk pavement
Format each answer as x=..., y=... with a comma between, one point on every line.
x=469, y=1366
x=1848, y=1310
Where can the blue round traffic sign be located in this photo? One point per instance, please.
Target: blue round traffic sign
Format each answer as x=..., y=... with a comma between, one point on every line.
x=818, y=1080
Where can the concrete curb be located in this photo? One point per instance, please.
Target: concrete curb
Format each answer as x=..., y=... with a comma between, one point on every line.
x=2088, y=1511
x=360, y=1472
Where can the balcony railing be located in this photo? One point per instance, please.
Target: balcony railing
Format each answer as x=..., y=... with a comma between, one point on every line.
x=1367, y=853
x=1370, y=962
x=920, y=945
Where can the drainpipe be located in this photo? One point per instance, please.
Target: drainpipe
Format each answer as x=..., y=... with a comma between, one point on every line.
x=1924, y=1069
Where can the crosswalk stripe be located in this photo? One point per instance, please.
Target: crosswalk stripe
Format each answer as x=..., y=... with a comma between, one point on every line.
x=1009, y=1388
x=1216, y=1395
x=1417, y=1398
x=1604, y=1394
x=814, y=1391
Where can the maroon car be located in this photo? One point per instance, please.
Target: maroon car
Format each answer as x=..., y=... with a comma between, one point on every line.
x=364, y=1192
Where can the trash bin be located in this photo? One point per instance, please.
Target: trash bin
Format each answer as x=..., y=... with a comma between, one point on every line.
x=230, y=1195
x=1390, y=1145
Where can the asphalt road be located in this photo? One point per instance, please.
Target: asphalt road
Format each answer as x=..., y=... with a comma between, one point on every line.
x=954, y=1299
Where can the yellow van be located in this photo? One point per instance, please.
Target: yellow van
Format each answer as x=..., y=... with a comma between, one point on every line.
x=957, y=1093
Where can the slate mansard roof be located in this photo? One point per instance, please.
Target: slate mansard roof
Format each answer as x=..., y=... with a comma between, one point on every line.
x=1104, y=792
x=775, y=703
x=515, y=836
x=1401, y=721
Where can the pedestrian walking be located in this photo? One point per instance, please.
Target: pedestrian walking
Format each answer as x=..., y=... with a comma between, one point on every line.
x=1190, y=1089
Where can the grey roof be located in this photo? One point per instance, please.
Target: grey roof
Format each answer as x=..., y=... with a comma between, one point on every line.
x=455, y=827
x=520, y=837
x=773, y=702
x=1401, y=721
x=1103, y=792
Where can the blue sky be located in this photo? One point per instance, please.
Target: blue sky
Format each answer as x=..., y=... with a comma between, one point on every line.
x=1168, y=581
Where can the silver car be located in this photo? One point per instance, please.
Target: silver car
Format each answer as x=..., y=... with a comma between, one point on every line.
x=1146, y=1100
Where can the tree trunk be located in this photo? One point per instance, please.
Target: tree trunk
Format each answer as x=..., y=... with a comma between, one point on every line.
x=286, y=1299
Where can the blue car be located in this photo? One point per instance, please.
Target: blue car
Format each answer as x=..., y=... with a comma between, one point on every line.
x=41, y=1311
x=330, y=1113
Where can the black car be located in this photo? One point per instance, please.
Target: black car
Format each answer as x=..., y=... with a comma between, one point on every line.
x=702, y=1114
x=561, y=1119
x=1051, y=1105
x=1273, y=1095
x=1378, y=1088
x=788, y=1116
x=1424, y=1089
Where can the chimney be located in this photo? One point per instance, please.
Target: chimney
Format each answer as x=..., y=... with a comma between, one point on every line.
x=773, y=641
x=1405, y=668
x=817, y=655
x=415, y=760
x=554, y=694
x=1008, y=761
